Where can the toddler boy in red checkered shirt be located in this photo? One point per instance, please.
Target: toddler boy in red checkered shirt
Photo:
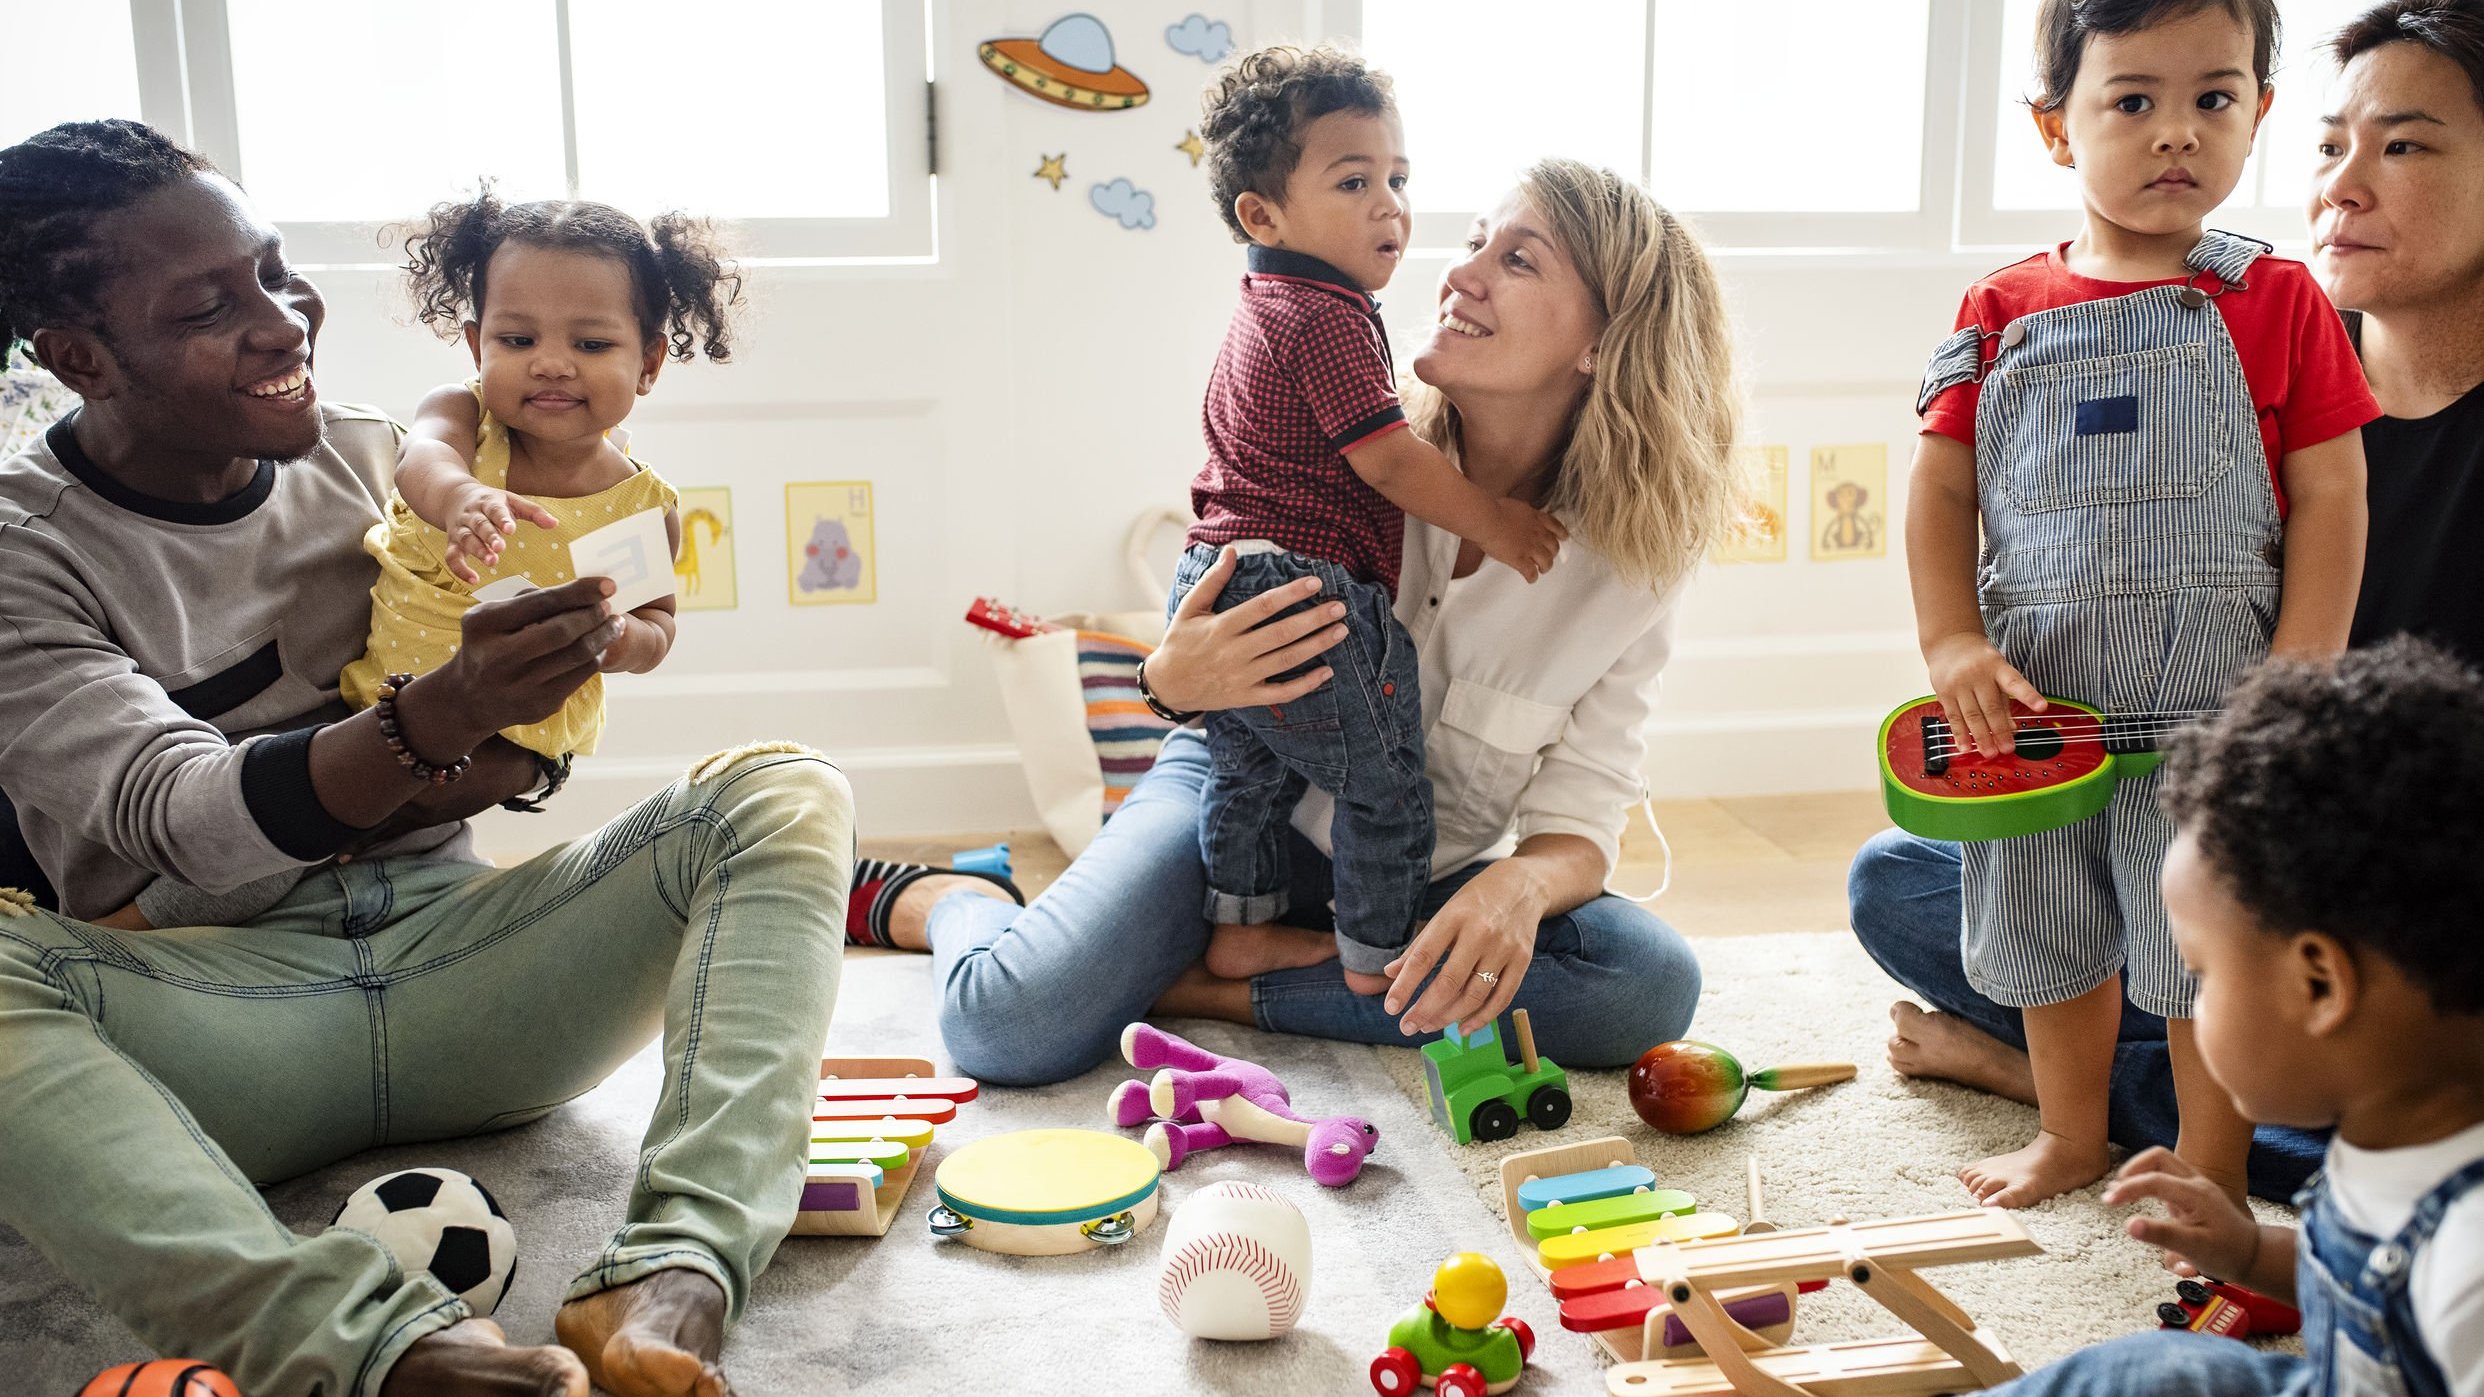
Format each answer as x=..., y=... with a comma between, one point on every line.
x=1310, y=473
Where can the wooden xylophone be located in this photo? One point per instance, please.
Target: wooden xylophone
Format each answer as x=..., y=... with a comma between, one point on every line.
x=870, y=1125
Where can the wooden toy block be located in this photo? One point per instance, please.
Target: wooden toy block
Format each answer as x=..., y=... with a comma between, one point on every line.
x=1609, y=1182
x=870, y=1127
x=1618, y=1211
x=1574, y=1249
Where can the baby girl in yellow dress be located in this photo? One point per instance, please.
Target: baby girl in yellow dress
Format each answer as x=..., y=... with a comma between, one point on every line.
x=570, y=310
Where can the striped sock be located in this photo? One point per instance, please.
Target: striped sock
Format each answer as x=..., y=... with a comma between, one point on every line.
x=877, y=884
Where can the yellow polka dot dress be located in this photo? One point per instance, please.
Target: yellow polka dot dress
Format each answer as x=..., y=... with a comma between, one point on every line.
x=417, y=601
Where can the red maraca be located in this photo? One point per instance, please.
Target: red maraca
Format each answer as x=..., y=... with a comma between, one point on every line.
x=161, y=1377
x=1686, y=1087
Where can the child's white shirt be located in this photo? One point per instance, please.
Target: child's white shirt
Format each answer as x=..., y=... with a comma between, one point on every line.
x=2376, y=1191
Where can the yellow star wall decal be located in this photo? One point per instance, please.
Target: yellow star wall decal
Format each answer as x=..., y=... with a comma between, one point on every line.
x=1192, y=146
x=1054, y=169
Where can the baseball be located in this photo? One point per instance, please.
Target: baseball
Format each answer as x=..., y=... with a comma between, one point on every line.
x=1237, y=1263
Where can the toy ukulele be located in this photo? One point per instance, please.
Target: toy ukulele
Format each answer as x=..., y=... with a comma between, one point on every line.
x=2069, y=759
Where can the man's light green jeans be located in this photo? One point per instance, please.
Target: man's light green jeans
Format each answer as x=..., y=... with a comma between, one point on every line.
x=149, y=1079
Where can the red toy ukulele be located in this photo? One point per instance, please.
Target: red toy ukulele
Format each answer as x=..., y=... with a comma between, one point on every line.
x=2068, y=761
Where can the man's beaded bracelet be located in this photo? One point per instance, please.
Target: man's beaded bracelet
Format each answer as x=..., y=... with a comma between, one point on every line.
x=421, y=770
x=1156, y=705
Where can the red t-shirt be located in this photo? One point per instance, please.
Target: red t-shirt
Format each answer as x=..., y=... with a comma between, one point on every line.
x=1304, y=377
x=2305, y=381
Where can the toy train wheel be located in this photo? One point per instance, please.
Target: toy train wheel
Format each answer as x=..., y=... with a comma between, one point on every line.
x=1463, y=1380
x=1395, y=1373
x=1549, y=1108
x=1493, y=1120
x=1524, y=1331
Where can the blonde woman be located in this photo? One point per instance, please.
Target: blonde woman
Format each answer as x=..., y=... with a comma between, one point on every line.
x=1581, y=364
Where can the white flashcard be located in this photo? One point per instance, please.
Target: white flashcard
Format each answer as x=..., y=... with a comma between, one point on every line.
x=636, y=553
x=504, y=589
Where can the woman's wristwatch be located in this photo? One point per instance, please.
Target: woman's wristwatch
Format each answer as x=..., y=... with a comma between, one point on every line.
x=1156, y=705
x=554, y=774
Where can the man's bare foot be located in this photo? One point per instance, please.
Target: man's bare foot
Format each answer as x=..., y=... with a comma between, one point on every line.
x=1366, y=982
x=1946, y=1048
x=655, y=1337
x=471, y=1359
x=909, y=917
x=2047, y=1167
x=1237, y=952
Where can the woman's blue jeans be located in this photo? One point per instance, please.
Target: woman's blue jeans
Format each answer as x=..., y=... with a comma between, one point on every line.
x=1905, y=899
x=1039, y=994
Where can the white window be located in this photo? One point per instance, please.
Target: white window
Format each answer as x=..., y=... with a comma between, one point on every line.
x=2015, y=193
x=344, y=115
x=1815, y=123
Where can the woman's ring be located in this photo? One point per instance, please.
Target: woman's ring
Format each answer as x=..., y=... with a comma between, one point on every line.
x=1489, y=977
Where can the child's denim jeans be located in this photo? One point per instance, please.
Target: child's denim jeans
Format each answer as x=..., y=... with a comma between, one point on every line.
x=1358, y=737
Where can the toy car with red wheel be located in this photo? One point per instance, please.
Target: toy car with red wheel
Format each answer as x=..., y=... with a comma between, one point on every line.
x=1452, y=1342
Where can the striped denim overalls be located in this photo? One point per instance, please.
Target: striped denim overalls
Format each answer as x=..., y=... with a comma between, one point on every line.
x=2130, y=561
x=2360, y=1338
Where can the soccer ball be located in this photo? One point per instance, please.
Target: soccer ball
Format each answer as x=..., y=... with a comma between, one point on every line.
x=440, y=1221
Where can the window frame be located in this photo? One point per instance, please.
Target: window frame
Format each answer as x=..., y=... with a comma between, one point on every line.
x=186, y=90
x=1926, y=227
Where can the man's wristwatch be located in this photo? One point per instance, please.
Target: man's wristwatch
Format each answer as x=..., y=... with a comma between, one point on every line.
x=1156, y=705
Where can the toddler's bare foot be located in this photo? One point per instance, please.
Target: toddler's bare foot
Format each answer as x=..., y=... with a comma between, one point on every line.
x=472, y=1359
x=2047, y=1167
x=655, y=1337
x=1946, y=1048
x=1237, y=952
x=1365, y=982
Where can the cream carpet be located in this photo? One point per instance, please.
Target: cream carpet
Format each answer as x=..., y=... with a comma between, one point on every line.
x=904, y=1314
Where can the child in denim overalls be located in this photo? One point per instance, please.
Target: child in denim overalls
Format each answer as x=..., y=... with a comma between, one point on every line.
x=2323, y=885
x=2113, y=412
x=1308, y=469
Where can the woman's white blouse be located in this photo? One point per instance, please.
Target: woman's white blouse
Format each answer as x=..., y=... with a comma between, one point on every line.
x=1535, y=698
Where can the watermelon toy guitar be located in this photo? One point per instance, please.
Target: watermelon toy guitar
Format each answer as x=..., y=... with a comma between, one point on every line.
x=2069, y=759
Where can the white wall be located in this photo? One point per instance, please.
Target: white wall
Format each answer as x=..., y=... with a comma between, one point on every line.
x=1016, y=403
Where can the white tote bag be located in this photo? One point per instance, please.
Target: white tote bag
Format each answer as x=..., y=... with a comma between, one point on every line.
x=1084, y=735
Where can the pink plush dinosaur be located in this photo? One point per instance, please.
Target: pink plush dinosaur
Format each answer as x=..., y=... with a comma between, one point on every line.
x=1200, y=1101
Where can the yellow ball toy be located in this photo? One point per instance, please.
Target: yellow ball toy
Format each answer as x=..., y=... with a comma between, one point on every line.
x=1468, y=1290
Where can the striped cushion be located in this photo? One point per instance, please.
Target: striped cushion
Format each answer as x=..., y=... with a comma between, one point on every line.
x=1126, y=734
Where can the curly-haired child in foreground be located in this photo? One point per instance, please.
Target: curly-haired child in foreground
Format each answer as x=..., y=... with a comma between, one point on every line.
x=570, y=310
x=2323, y=886
x=1308, y=471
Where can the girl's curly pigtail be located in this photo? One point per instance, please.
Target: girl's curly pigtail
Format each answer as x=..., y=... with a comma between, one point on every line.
x=701, y=287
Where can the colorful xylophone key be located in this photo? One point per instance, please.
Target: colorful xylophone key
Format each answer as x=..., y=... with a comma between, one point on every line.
x=1619, y=1210
x=1584, y=1186
x=1572, y=1250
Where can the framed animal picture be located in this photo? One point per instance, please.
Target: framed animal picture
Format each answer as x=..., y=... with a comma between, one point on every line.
x=829, y=557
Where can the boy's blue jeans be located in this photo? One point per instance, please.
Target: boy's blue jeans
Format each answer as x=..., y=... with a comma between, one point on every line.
x=1358, y=737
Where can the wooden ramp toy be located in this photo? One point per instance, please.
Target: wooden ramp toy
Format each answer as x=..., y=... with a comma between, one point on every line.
x=1946, y=1353
x=870, y=1125
x=1633, y=1326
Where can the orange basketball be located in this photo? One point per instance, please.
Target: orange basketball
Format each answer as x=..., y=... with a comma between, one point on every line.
x=162, y=1377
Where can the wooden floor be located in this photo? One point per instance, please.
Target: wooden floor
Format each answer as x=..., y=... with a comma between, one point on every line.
x=1743, y=866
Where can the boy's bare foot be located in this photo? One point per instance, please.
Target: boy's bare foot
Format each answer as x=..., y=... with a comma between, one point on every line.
x=1946, y=1048
x=655, y=1337
x=1237, y=952
x=909, y=917
x=2047, y=1167
x=471, y=1359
